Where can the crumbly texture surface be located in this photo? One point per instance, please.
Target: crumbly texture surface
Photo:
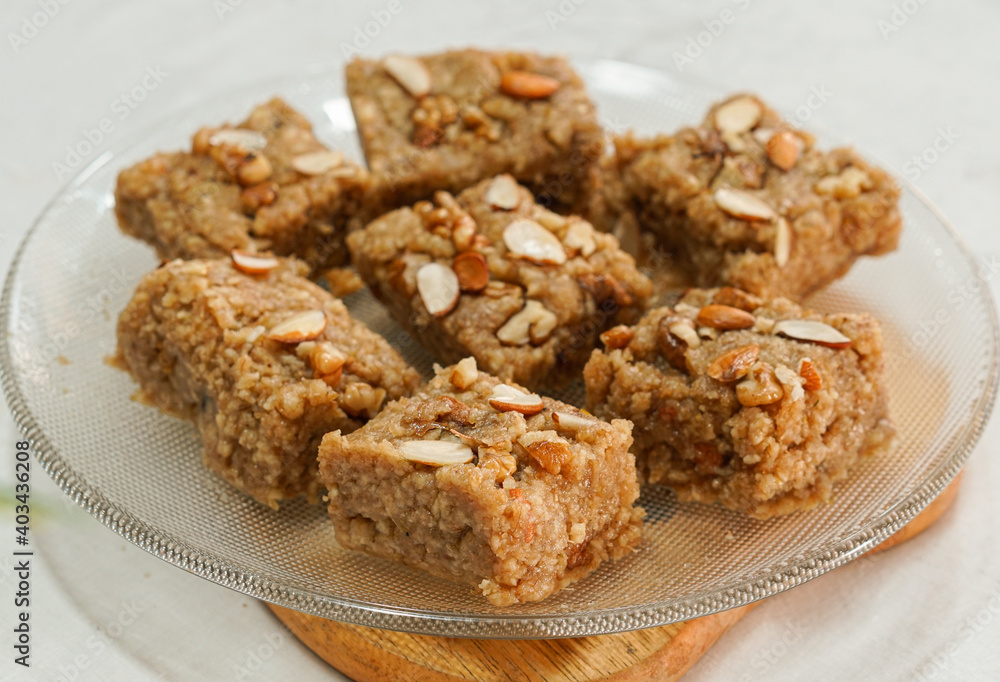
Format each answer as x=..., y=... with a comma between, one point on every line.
x=223, y=196
x=760, y=422
x=832, y=206
x=564, y=306
x=195, y=338
x=468, y=127
x=539, y=506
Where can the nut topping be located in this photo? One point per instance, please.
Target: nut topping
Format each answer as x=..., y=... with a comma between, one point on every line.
x=261, y=194
x=810, y=375
x=738, y=115
x=782, y=242
x=317, y=163
x=849, y=184
x=438, y=287
x=528, y=85
x=250, y=140
x=533, y=323
x=760, y=387
x=569, y=421
x=617, y=337
x=529, y=240
x=734, y=364
x=253, y=264
x=725, y=317
x=813, y=331
x=465, y=373
x=744, y=205
x=783, y=149
x=254, y=169
x=685, y=332
x=327, y=362
x=549, y=450
x=304, y=326
x=506, y=398
x=791, y=381
x=503, y=193
x=409, y=73
x=436, y=452
x=472, y=271
x=580, y=237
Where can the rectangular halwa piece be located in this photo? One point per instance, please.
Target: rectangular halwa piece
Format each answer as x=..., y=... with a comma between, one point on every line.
x=481, y=482
x=756, y=404
x=494, y=275
x=448, y=120
x=265, y=185
x=202, y=340
x=746, y=200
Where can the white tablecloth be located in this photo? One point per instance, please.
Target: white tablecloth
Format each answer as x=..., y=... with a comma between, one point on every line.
x=913, y=82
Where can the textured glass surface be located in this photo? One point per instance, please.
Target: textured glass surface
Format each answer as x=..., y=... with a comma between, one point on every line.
x=140, y=473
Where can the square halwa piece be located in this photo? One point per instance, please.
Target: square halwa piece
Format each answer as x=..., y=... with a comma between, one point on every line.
x=447, y=121
x=756, y=404
x=265, y=185
x=479, y=481
x=746, y=200
x=264, y=363
x=494, y=275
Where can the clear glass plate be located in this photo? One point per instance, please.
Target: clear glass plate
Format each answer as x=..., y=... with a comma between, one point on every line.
x=140, y=472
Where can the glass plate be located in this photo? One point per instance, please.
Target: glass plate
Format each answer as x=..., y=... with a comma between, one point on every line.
x=140, y=472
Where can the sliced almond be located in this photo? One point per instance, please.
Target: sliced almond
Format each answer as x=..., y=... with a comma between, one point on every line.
x=472, y=271
x=782, y=242
x=410, y=73
x=813, y=331
x=506, y=398
x=686, y=333
x=744, y=205
x=438, y=287
x=317, y=163
x=249, y=140
x=812, y=381
x=617, y=337
x=529, y=240
x=533, y=323
x=528, y=85
x=725, y=317
x=304, y=326
x=580, y=237
x=465, y=373
x=569, y=421
x=503, y=193
x=783, y=149
x=253, y=264
x=735, y=364
x=759, y=387
x=436, y=452
x=738, y=115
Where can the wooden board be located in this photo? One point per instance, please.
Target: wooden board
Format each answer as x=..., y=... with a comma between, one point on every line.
x=661, y=653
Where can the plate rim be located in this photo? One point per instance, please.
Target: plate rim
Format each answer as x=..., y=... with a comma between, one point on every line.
x=203, y=563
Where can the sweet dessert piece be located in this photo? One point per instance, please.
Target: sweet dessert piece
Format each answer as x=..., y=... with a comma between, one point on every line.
x=494, y=275
x=756, y=404
x=746, y=200
x=479, y=481
x=262, y=360
x=265, y=185
x=447, y=121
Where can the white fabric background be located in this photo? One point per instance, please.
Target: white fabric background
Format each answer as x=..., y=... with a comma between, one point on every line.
x=929, y=610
